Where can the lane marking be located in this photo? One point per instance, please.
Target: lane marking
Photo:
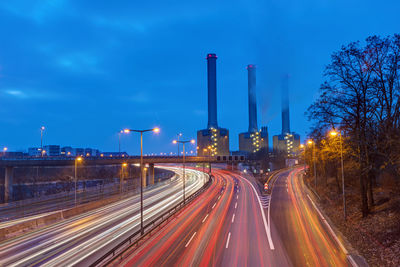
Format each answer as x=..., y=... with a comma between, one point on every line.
x=237, y=196
x=227, y=241
x=266, y=226
x=204, y=218
x=287, y=190
x=214, y=205
x=219, y=197
x=350, y=258
x=187, y=244
x=233, y=218
x=235, y=205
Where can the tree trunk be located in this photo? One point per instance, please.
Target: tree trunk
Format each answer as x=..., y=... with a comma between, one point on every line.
x=370, y=189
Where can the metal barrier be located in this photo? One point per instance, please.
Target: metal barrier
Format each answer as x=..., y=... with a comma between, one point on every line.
x=134, y=239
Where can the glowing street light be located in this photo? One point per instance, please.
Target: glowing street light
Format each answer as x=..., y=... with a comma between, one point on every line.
x=183, y=144
x=41, y=140
x=334, y=134
x=311, y=142
x=78, y=159
x=155, y=130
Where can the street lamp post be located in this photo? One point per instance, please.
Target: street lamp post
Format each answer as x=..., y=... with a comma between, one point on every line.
x=178, y=136
x=334, y=133
x=183, y=145
x=156, y=130
x=311, y=142
x=41, y=140
x=304, y=150
x=78, y=159
x=124, y=165
x=119, y=142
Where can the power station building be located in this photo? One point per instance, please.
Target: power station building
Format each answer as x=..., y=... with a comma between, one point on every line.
x=213, y=141
x=253, y=140
x=287, y=143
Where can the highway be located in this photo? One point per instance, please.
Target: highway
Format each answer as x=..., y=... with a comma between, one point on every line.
x=307, y=238
x=82, y=239
x=232, y=224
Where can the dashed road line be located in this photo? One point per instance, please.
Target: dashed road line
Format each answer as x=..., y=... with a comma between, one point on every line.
x=214, y=205
x=235, y=205
x=204, y=218
x=227, y=241
x=233, y=218
x=187, y=244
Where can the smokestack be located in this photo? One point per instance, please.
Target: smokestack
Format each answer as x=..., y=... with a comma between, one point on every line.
x=285, y=106
x=252, y=98
x=212, y=90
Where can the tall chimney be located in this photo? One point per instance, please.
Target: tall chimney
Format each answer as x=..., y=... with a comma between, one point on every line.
x=252, y=98
x=285, y=106
x=212, y=90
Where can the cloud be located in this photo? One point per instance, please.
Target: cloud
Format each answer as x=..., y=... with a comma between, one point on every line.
x=80, y=62
x=28, y=94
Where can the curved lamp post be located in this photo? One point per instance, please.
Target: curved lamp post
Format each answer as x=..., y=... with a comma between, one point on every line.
x=155, y=130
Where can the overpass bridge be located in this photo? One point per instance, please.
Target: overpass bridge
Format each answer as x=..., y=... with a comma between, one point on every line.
x=10, y=163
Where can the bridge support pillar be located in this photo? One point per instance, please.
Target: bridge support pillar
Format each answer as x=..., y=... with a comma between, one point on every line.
x=151, y=173
x=235, y=166
x=229, y=166
x=8, y=184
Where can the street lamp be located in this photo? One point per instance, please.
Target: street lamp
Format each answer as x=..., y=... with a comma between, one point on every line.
x=123, y=166
x=119, y=142
x=303, y=147
x=311, y=142
x=155, y=130
x=183, y=145
x=334, y=134
x=178, y=136
x=78, y=159
x=41, y=140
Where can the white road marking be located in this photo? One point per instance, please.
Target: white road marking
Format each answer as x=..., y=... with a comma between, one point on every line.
x=233, y=218
x=235, y=205
x=287, y=190
x=353, y=263
x=187, y=244
x=214, y=205
x=266, y=226
x=227, y=241
x=219, y=197
x=204, y=218
x=237, y=196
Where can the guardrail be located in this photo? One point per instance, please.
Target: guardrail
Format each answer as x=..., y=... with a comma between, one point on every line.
x=134, y=239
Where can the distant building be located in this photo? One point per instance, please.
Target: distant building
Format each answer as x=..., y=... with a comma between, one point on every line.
x=52, y=150
x=253, y=140
x=67, y=151
x=34, y=151
x=214, y=140
x=287, y=143
x=79, y=152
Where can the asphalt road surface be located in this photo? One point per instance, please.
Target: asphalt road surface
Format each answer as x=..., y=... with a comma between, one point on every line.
x=234, y=224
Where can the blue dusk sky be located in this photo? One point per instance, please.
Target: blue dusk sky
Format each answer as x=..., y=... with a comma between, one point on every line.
x=86, y=69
